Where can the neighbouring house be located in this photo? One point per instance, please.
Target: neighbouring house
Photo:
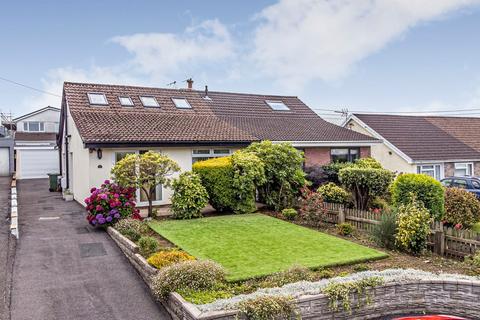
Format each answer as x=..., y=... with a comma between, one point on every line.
x=7, y=164
x=36, y=152
x=100, y=124
x=436, y=146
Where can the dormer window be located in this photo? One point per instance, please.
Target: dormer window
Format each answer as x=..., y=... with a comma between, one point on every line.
x=277, y=105
x=181, y=103
x=149, y=101
x=126, y=101
x=98, y=99
x=33, y=126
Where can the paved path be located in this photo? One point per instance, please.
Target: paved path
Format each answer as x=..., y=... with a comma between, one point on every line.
x=7, y=247
x=67, y=270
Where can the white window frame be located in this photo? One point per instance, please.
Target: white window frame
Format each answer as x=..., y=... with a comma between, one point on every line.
x=467, y=166
x=422, y=169
x=273, y=103
x=131, y=104
x=90, y=99
x=137, y=192
x=211, y=153
x=41, y=126
x=175, y=99
x=146, y=105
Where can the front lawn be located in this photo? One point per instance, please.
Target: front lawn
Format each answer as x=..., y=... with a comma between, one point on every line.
x=253, y=245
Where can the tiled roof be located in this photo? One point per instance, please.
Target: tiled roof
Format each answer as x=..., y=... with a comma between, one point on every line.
x=424, y=138
x=224, y=117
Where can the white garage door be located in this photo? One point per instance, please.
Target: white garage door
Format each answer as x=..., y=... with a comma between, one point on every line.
x=36, y=163
x=4, y=162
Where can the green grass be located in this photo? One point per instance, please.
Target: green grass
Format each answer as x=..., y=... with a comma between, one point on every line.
x=255, y=245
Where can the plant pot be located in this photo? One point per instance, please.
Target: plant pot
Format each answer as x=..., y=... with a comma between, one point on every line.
x=68, y=197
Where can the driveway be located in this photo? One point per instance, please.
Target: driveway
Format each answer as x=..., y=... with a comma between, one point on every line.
x=65, y=269
x=7, y=247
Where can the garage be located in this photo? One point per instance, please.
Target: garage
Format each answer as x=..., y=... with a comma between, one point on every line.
x=36, y=163
x=4, y=161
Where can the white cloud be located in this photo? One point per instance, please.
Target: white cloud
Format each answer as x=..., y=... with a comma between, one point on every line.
x=301, y=40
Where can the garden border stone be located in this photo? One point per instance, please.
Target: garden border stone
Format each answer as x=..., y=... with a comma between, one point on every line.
x=457, y=297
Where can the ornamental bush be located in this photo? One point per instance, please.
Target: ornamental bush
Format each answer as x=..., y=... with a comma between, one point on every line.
x=147, y=246
x=384, y=233
x=110, y=203
x=293, y=274
x=345, y=229
x=316, y=175
x=365, y=183
x=461, y=207
x=268, y=307
x=368, y=163
x=424, y=188
x=312, y=209
x=289, y=213
x=189, y=196
x=330, y=192
x=168, y=257
x=133, y=229
x=193, y=275
x=283, y=173
x=413, y=226
x=331, y=171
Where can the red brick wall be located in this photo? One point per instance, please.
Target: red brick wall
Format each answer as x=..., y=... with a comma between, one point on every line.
x=321, y=155
x=365, y=152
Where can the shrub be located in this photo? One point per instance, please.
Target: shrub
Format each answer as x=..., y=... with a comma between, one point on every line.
x=476, y=227
x=312, y=210
x=205, y=296
x=168, y=257
x=192, y=275
x=331, y=170
x=283, y=172
x=290, y=214
x=413, y=226
x=384, y=233
x=110, y=203
x=473, y=260
x=147, y=245
x=461, y=207
x=293, y=274
x=365, y=183
x=130, y=224
x=425, y=189
x=316, y=175
x=345, y=229
x=268, y=307
x=368, y=163
x=189, y=196
x=330, y=192
x=378, y=203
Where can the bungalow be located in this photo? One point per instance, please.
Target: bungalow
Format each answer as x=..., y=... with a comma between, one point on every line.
x=100, y=124
x=436, y=146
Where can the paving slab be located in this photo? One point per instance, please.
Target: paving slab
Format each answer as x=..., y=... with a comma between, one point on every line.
x=65, y=269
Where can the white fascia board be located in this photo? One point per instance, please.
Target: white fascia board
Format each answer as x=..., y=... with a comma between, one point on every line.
x=367, y=143
x=379, y=136
x=443, y=161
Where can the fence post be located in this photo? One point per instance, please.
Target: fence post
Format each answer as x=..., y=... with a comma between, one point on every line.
x=341, y=214
x=439, y=241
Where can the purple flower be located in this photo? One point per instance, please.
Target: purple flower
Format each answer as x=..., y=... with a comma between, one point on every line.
x=93, y=222
x=93, y=190
x=113, y=212
x=104, y=196
x=99, y=216
x=117, y=215
x=107, y=181
x=109, y=219
x=101, y=221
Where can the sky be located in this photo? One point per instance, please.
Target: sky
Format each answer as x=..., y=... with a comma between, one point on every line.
x=362, y=55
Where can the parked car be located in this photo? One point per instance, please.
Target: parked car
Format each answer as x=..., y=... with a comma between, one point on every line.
x=472, y=184
x=430, y=317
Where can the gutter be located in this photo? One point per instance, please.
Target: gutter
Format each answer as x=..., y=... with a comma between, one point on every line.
x=137, y=144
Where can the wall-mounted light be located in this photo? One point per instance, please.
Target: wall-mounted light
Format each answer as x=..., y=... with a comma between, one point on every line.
x=99, y=153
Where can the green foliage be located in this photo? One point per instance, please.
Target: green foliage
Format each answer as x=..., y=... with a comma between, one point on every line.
x=342, y=291
x=312, y=209
x=361, y=267
x=187, y=275
x=413, y=226
x=168, y=257
x=476, y=227
x=293, y=274
x=205, y=296
x=189, y=196
x=474, y=260
x=268, y=308
x=289, y=213
x=461, y=207
x=231, y=182
x=330, y=192
x=378, y=203
x=332, y=169
x=425, y=189
x=384, y=233
x=368, y=163
x=133, y=229
x=145, y=171
x=283, y=172
x=147, y=246
x=365, y=182
x=345, y=229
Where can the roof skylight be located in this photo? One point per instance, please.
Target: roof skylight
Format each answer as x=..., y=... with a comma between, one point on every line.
x=97, y=98
x=149, y=101
x=277, y=105
x=181, y=103
x=126, y=101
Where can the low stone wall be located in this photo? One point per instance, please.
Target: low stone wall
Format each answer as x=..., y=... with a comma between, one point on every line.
x=454, y=297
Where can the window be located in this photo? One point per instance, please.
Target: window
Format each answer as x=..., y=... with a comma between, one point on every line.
x=205, y=154
x=126, y=101
x=181, y=103
x=463, y=169
x=344, y=154
x=432, y=170
x=277, y=105
x=460, y=183
x=34, y=126
x=97, y=98
x=149, y=102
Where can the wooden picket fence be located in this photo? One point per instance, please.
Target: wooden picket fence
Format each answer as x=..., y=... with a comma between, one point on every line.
x=443, y=240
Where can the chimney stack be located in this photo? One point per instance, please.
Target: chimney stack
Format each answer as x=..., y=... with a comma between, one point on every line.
x=190, y=84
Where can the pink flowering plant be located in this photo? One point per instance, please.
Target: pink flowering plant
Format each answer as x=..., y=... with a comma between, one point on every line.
x=109, y=203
